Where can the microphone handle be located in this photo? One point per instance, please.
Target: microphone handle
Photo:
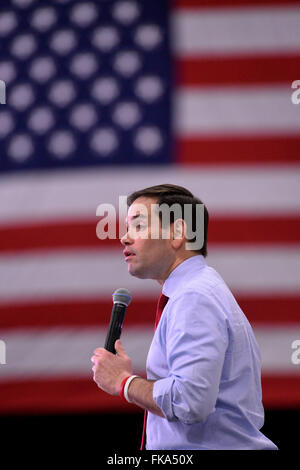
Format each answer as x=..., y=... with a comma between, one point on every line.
x=115, y=326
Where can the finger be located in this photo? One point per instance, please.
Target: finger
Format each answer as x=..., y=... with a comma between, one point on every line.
x=120, y=348
x=98, y=351
x=95, y=359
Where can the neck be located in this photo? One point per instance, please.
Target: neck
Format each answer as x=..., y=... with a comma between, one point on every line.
x=174, y=265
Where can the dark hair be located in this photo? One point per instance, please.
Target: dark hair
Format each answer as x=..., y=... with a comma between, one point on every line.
x=171, y=194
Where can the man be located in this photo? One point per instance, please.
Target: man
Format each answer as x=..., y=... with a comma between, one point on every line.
x=203, y=387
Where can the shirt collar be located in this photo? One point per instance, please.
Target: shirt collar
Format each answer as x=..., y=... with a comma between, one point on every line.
x=182, y=271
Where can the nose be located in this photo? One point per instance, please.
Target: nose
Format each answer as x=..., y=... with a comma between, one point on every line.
x=126, y=240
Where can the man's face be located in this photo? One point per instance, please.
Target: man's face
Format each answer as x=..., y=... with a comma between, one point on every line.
x=147, y=258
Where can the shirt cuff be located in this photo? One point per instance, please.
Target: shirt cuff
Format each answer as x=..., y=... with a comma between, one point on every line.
x=162, y=395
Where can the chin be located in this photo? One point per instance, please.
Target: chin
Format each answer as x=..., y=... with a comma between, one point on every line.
x=136, y=272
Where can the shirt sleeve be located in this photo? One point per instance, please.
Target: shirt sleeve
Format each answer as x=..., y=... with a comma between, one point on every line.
x=196, y=342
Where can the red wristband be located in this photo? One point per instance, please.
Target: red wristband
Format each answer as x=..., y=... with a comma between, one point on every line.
x=122, y=389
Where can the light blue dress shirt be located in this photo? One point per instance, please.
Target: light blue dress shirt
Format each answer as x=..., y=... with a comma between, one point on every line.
x=206, y=364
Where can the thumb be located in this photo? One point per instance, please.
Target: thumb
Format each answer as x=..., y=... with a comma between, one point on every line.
x=120, y=348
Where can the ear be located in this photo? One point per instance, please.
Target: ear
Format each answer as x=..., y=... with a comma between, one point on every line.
x=179, y=228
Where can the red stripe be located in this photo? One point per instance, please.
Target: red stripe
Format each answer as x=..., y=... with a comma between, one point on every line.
x=256, y=229
x=75, y=234
x=69, y=312
x=72, y=234
x=58, y=396
x=83, y=395
x=187, y=4
x=195, y=71
x=281, y=391
x=212, y=150
x=273, y=310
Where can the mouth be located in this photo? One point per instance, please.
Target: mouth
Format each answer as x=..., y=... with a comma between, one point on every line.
x=128, y=255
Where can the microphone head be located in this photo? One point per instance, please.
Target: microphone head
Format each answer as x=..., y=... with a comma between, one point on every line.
x=121, y=296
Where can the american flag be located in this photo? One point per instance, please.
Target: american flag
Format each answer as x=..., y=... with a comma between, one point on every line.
x=107, y=97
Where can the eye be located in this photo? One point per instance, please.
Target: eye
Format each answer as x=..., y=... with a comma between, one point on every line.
x=137, y=226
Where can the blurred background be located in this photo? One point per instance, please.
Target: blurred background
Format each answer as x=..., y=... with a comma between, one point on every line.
x=107, y=97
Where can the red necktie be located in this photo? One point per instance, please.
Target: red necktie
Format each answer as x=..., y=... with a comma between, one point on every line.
x=163, y=299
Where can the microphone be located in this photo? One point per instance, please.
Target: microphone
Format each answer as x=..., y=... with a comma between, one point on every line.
x=121, y=298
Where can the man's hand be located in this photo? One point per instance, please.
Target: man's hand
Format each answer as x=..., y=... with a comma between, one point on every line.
x=110, y=369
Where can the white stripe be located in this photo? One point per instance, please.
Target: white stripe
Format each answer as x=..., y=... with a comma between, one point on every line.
x=276, y=348
x=236, y=31
x=77, y=193
x=67, y=352
x=251, y=110
x=258, y=269
x=82, y=274
x=79, y=274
